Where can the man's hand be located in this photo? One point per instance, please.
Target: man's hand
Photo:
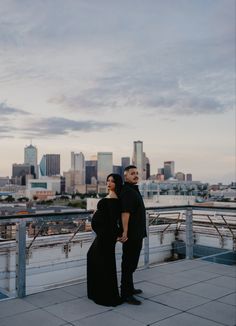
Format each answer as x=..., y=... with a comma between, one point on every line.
x=125, y=224
x=123, y=238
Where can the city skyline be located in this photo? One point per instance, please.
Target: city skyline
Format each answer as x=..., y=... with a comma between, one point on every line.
x=93, y=77
x=95, y=158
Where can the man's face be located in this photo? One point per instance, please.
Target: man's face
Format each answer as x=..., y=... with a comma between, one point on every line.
x=131, y=176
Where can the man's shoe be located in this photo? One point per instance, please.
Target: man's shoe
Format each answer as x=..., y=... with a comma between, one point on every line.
x=137, y=291
x=132, y=300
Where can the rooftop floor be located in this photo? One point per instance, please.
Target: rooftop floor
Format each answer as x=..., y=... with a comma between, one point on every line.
x=184, y=293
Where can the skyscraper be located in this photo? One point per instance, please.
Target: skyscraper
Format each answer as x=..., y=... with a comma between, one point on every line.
x=125, y=161
x=50, y=165
x=90, y=171
x=117, y=169
x=138, y=157
x=42, y=167
x=78, y=164
x=146, y=167
x=21, y=173
x=180, y=176
x=105, y=166
x=169, y=169
x=73, y=181
x=31, y=157
x=189, y=177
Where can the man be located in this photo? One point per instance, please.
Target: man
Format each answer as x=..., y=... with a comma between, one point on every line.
x=134, y=230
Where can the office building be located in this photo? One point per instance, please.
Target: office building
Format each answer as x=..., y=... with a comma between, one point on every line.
x=78, y=164
x=189, y=177
x=91, y=172
x=73, y=182
x=104, y=167
x=146, y=168
x=180, y=176
x=77, y=161
x=138, y=157
x=117, y=169
x=21, y=173
x=4, y=181
x=50, y=165
x=125, y=161
x=160, y=171
x=43, y=188
x=160, y=177
x=169, y=169
x=31, y=157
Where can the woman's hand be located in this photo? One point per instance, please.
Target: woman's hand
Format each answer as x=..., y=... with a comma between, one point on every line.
x=123, y=238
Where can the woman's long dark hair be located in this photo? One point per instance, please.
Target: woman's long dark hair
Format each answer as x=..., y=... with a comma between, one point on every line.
x=118, y=182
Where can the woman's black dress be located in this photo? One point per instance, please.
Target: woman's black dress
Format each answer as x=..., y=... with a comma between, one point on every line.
x=102, y=284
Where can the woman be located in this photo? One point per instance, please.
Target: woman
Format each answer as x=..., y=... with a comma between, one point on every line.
x=102, y=284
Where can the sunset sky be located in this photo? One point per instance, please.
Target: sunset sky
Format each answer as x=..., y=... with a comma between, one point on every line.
x=90, y=76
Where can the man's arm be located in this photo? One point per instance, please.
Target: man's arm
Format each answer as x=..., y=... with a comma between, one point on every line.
x=125, y=223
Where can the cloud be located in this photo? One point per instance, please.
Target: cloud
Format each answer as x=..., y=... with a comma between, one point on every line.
x=10, y=117
x=53, y=126
x=130, y=61
x=156, y=89
x=186, y=106
x=6, y=110
x=186, y=77
x=90, y=101
x=61, y=126
x=6, y=131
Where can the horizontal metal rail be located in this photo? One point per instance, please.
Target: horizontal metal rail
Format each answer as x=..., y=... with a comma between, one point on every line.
x=184, y=213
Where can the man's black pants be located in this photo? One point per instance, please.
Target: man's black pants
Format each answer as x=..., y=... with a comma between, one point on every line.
x=130, y=258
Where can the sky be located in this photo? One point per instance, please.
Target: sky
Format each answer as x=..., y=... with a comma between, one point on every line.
x=93, y=76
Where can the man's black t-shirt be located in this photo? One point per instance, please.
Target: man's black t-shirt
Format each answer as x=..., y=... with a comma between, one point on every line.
x=132, y=202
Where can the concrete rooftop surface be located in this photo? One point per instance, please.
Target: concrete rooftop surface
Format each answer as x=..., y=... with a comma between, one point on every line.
x=182, y=293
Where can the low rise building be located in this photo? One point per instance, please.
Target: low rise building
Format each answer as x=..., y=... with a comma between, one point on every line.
x=43, y=188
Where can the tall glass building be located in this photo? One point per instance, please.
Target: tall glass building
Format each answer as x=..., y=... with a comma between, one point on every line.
x=90, y=171
x=78, y=164
x=138, y=157
x=21, y=172
x=50, y=165
x=125, y=161
x=31, y=157
x=146, y=167
x=169, y=169
x=105, y=166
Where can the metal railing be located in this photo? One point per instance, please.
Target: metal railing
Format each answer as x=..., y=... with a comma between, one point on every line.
x=184, y=214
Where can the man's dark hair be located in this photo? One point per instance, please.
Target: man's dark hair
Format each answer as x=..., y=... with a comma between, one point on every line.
x=130, y=167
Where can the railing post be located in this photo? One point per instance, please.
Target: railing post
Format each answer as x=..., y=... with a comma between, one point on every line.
x=189, y=233
x=234, y=243
x=21, y=258
x=146, y=243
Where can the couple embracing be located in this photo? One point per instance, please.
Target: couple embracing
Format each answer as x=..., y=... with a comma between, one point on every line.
x=120, y=216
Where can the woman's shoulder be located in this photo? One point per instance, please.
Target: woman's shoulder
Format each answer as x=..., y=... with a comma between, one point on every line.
x=101, y=203
x=108, y=202
x=114, y=204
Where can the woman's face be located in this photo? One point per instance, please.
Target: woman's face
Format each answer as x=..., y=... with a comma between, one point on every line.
x=111, y=184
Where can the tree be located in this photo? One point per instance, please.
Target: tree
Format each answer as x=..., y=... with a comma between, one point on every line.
x=10, y=199
x=23, y=199
x=64, y=197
